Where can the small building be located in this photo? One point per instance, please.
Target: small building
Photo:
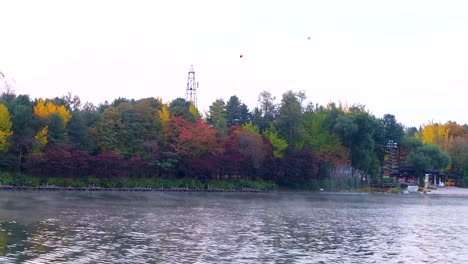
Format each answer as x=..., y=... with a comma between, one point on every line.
x=408, y=175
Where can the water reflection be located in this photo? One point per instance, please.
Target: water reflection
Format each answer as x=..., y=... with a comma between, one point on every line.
x=231, y=228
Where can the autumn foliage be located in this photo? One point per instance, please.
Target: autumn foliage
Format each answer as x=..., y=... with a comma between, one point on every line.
x=194, y=139
x=45, y=110
x=287, y=142
x=5, y=127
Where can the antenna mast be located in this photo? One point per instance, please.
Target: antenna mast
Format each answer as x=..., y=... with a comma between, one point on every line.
x=192, y=86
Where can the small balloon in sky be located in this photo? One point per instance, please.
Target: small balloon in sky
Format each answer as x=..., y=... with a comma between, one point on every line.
x=241, y=56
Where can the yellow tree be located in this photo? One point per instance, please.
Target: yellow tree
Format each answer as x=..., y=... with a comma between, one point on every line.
x=41, y=110
x=436, y=134
x=45, y=110
x=5, y=127
x=63, y=112
x=441, y=135
x=194, y=111
x=41, y=138
x=455, y=129
x=164, y=114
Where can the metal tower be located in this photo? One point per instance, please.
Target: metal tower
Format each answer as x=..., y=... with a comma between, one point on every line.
x=192, y=86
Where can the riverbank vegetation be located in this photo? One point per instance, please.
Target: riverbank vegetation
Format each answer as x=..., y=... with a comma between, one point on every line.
x=288, y=143
x=19, y=180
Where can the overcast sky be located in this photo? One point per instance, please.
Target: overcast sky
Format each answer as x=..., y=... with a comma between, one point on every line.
x=407, y=58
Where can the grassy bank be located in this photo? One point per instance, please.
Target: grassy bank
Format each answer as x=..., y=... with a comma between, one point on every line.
x=20, y=180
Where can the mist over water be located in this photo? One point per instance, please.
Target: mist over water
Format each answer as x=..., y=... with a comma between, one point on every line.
x=141, y=227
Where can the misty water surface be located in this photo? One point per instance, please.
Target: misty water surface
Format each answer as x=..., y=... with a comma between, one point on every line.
x=157, y=227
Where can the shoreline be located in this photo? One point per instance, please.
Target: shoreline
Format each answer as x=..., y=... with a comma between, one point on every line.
x=447, y=191
x=450, y=191
x=136, y=189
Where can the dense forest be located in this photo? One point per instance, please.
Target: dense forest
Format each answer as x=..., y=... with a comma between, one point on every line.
x=288, y=142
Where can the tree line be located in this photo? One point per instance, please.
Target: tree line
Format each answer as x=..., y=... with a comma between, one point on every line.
x=289, y=141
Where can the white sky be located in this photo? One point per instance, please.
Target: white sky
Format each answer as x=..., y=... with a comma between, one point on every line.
x=407, y=58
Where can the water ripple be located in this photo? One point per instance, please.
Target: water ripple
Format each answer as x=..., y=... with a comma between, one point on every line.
x=235, y=228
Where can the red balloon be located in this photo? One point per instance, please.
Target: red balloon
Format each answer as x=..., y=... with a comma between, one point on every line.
x=241, y=56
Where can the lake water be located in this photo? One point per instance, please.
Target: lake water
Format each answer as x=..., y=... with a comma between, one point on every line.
x=158, y=227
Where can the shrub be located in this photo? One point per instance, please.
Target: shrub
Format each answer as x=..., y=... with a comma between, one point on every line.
x=227, y=185
x=312, y=185
x=388, y=180
x=396, y=190
x=19, y=179
x=188, y=183
x=77, y=183
x=56, y=182
x=32, y=181
x=93, y=181
x=266, y=185
x=6, y=178
x=240, y=184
